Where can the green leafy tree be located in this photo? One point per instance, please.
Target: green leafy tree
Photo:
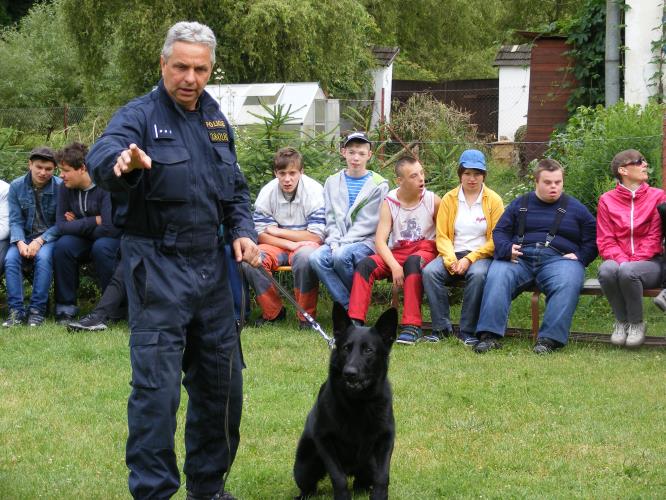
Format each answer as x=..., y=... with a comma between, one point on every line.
x=39, y=61
x=258, y=41
x=450, y=39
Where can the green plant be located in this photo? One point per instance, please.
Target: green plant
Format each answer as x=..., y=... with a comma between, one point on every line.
x=256, y=145
x=587, y=40
x=593, y=135
x=437, y=133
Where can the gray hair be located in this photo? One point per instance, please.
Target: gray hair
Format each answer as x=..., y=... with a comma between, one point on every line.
x=190, y=32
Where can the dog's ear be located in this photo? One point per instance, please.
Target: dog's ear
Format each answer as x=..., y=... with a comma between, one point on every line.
x=387, y=325
x=341, y=319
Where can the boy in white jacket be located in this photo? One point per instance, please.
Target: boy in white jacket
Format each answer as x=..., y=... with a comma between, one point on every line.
x=289, y=219
x=353, y=198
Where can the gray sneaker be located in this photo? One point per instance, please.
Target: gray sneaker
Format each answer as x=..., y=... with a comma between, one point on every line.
x=16, y=318
x=636, y=334
x=619, y=335
x=660, y=300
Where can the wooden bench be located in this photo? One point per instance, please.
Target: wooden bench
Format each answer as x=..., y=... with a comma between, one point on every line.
x=590, y=287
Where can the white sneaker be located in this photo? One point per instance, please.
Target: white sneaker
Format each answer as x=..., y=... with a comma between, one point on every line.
x=619, y=335
x=636, y=334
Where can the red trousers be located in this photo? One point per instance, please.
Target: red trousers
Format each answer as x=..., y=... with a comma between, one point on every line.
x=413, y=257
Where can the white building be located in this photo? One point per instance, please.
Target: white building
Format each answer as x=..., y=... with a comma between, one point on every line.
x=514, y=89
x=382, y=84
x=643, y=26
x=311, y=111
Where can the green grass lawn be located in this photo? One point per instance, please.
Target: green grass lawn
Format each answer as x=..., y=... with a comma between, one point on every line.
x=585, y=422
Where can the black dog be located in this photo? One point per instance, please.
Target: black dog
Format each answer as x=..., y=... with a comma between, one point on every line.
x=350, y=430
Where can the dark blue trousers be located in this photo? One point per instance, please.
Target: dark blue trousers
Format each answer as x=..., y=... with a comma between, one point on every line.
x=239, y=286
x=179, y=324
x=68, y=254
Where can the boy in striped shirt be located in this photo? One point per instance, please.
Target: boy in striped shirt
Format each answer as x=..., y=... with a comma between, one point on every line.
x=353, y=197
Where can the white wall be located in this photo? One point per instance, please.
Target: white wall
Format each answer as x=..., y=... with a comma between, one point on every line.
x=643, y=20
x=383, y=78
x=514, y=92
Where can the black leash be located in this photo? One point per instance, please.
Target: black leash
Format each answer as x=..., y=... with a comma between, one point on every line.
x=315, y=326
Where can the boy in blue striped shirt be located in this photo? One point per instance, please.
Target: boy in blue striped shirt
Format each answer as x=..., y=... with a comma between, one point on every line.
x=353, y=198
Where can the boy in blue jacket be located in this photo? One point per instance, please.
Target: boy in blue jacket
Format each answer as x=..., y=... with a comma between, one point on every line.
x=83, y=218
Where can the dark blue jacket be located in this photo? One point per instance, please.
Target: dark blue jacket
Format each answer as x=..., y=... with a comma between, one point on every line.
x=577, y=232
x=194, y=184
x=22, y=209
x=85, y=205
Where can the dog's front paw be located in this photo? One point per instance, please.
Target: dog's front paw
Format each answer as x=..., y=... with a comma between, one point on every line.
x=305, y=495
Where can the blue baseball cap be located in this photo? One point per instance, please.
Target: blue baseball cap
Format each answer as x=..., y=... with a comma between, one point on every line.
x=473, y=158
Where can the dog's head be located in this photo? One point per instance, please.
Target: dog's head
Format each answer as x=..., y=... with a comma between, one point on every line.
x=360, y=359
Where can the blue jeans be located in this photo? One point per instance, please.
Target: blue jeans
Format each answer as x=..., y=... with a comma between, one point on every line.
x=43, y=272
x=435, y=281
x=336, y=269
x=559, y=278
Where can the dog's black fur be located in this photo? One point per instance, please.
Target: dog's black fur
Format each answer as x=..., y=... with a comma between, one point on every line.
x=350, y=430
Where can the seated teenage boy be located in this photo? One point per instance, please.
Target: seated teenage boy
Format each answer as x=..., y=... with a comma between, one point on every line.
x=32, y=228
x=289, y=219
x=353, y=197
x=407, y=220
x=86, y=231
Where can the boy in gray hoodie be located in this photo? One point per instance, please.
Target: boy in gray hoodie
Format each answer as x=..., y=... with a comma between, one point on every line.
x=352, y=198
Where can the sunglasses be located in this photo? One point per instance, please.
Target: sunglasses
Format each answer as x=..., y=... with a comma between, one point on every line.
x=635, y=162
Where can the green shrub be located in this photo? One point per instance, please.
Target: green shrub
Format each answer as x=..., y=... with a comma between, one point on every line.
x=438, y=134
x=593, y=135
x=256, y=145
x=13, y=158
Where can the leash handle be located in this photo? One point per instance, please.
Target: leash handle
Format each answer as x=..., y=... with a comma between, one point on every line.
x=315, y=326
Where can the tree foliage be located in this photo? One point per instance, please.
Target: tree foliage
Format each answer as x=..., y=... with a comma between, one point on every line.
x=455, y=39
x=586, y=36
x=38, y=61
x=258, y=41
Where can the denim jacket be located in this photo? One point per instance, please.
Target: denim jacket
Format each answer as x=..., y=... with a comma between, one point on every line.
x=22, y=208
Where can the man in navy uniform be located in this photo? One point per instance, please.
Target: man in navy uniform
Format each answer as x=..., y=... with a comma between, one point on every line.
x=169, y=159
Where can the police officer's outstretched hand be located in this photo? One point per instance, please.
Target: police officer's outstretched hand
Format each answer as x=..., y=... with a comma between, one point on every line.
x=245, y=249
x=131, y=159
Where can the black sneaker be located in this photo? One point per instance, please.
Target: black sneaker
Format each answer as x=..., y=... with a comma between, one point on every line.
x=544, y=345
x=220, y=495
x=64, y=318
x=35, y=318
x=487, y=342
x=467, y=339
x=90, y=323
x=259, y=322
x=15, y=318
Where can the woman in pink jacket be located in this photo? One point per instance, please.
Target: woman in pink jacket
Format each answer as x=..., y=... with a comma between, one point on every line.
x=629, y=241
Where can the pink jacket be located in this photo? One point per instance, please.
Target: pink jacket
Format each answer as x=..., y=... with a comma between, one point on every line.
x=628, y=224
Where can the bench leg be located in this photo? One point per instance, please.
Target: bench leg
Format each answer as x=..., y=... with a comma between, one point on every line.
x=395, y=297
x=534, y=303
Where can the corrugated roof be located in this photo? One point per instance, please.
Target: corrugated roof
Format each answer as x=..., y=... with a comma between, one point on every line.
x=513, y=55
x=385, y=55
